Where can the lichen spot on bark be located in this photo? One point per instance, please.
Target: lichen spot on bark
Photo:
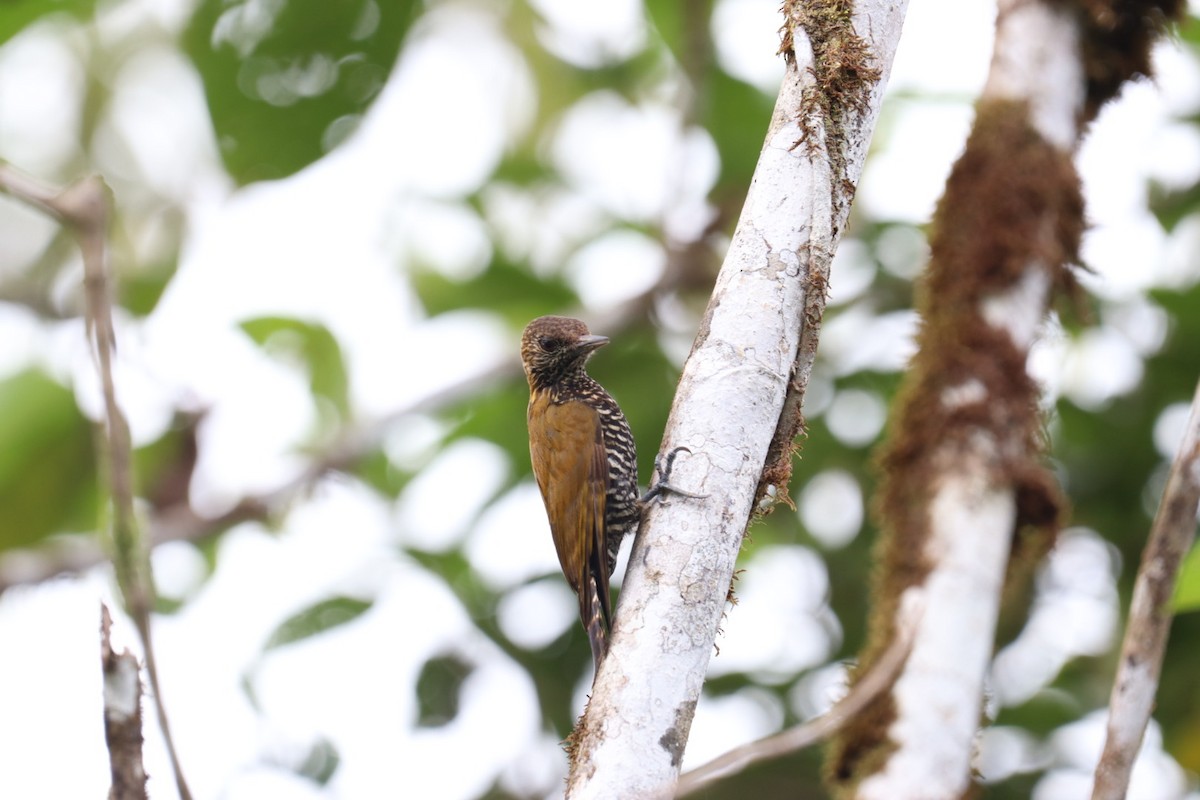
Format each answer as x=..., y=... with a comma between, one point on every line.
x=675, y=739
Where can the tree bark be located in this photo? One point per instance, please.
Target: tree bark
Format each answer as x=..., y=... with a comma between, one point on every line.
x=746, y=361
x=962, y=465
x=962, y=468
x=122, y=716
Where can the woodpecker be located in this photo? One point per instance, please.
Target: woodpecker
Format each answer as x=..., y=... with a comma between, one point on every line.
x=585, y=462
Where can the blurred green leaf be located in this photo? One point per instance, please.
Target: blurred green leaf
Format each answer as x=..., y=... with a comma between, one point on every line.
x=1171, y=207
x=47, y=461
x=1172, y=371
x=438, y=688
x=454, y=568
x=320, y=762
x=168, y=605
x=451, y=565
x=554, y=669
x=316, y=619
x=313, y=344
x=1189, y=31
x=1187, y=589
x=286, y=81
x=1047, y=710
x=141, y=282
x=140, y=293
x=522, y=167
x=736, y=115
x=498, y=416
x=377, y=470
x=1106, y=457
x=16, y=15
x=667, y=17
x=503, y=287
x=247, y=686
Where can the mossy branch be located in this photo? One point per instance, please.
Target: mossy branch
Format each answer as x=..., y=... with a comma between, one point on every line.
x=846, y=77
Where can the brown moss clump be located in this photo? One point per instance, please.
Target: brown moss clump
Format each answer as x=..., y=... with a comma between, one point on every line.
x=844, y=75
x=1117, y=36
x=1012, y=203
x=843, y=78
x=785, y=447
x=842, y=66
x=578, y=745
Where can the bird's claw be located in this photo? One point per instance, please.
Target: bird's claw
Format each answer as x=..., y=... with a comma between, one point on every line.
x=662, y=486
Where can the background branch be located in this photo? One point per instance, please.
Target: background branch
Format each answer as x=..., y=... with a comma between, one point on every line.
x=69, y=555
x=874, y=681
x=964, y=482
x=1150, y=615
x=963, y=446
x=84, y=208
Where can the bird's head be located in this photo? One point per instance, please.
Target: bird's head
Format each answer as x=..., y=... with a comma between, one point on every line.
x=553, y=348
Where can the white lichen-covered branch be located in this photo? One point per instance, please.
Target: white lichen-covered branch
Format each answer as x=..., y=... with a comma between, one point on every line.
x=631, y=740
x=961, y=460
x=1150, y=615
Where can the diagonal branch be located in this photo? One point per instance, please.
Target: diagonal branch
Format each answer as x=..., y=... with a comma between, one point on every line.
x=878, y=678
x=1150, y=615
x=631, y=739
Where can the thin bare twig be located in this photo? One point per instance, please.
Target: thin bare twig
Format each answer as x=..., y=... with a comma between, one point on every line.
x=122, y=716
x=30, y=190
x=84, y=208
x=180, y=523
x=870, y=686
x=1150, y=615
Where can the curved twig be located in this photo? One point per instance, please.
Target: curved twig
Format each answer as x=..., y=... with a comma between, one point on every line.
x=880, y=676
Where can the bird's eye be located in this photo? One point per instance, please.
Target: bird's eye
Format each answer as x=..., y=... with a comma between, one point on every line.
x=550, y=343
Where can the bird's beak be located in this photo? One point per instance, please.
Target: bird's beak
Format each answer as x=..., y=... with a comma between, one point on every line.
x=591, y=342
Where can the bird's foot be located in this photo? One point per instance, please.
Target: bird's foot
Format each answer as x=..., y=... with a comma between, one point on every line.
x=662, y=486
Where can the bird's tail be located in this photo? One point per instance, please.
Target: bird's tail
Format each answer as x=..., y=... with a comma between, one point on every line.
x=596, y=622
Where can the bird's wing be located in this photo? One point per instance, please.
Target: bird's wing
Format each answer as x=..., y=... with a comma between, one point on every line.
x=571, y=466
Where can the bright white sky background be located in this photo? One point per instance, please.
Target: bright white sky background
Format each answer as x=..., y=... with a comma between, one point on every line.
x=323, y=245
